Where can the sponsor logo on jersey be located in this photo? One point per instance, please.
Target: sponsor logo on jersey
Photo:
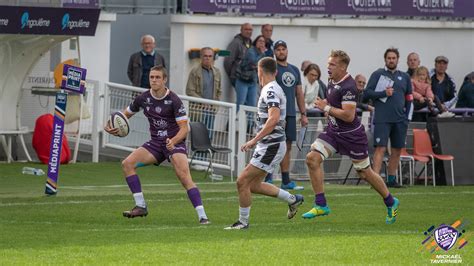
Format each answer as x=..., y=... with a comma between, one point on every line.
x=348, y=96
x=160, y=124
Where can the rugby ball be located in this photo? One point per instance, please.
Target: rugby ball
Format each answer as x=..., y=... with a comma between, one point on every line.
x=120, y=121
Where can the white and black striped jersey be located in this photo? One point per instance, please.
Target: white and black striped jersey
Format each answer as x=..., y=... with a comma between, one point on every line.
x=272, y=95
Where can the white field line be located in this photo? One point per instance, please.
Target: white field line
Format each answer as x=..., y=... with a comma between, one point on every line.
x=229, y=198
x=143, y=185
x=213, y=227
x=255, y=225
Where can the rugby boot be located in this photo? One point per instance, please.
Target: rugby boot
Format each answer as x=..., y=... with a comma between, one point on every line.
x=136, y=212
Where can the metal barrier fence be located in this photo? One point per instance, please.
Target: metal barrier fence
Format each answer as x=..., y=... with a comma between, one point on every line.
x=217, y=116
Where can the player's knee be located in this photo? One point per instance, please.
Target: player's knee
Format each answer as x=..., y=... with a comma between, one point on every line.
x=313, y=159
x=362, y=167
x=127, y=165
x=240, y=183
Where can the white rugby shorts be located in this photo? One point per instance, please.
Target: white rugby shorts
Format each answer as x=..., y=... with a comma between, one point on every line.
x=268, y=156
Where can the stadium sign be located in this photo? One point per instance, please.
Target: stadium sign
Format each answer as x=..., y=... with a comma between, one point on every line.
x=48, y=21
x=415, y=8
x=73, y=79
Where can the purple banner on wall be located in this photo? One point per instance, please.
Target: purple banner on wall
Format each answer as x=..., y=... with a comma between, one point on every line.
x=421, y=8
x=48, y=21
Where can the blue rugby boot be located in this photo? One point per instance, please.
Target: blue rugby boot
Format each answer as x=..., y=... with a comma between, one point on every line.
x=317, y=211
x=392, y=212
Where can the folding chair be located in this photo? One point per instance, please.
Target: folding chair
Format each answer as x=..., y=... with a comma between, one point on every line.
x=412, y=159
x=422, y=147
x=200, y=142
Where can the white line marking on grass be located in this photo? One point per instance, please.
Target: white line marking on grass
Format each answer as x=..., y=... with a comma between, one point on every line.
x=256, y=226
x=72, y=202
x=144, y=185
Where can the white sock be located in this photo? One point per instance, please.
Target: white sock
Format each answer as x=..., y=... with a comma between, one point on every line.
x=286, y=196
x=244, y=214
x=139, y=200
x=200, y=212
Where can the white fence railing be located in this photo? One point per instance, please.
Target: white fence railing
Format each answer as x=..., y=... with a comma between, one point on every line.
x=217, y=116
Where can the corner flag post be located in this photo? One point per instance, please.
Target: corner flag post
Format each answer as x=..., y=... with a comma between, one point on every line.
x=73, y=80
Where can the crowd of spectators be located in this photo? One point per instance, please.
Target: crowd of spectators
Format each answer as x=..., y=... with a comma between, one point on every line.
x=429, y=92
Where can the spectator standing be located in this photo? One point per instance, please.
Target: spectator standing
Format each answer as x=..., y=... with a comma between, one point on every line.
x=391, y=91
x=413, y=62
x=289, y=79
x=442, y=84
x=238, y=48
x=313, y=87
x=141, y=62
x=204, y=81
x=267, y=32
x=466, y=93
x=361, y=81
x=246, y=74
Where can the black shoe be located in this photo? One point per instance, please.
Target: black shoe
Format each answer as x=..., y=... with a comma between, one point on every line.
x=237, y=226
x=204, y=221
x=136, y=212
x=394, y=184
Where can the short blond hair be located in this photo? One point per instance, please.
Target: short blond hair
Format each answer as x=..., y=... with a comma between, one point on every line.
x=343, y=56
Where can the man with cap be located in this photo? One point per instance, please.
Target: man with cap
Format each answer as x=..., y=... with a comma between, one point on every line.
x=442, y=84
x=289, y=79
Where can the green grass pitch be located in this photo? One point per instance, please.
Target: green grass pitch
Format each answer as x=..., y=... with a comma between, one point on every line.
x=83, y=224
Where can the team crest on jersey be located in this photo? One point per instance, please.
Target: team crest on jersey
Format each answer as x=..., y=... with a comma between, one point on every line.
x=270, y=95
x=288, y=79
x=157, y=109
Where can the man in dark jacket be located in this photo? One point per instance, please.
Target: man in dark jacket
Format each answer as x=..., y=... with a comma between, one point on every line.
x=442, y=84
x=466, y=93
x=141, y=62
x=238, y=47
